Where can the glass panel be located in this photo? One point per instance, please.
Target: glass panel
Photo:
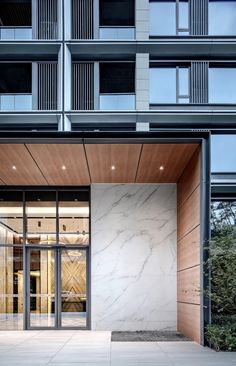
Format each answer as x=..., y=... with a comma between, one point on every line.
x=117, y=102
x=183, y=14
x=23, y=33
x=11, y=218
x=163, y=85
x=7, y=102
x=7, y=33
x=11, y=288
x=23, y=102
x=42, y=288
x=73, y=219
x=223, y=213
x=162, y=18
x=184, y=100
x=183, y=81
x=222, y=85
x=73, y=288
x=117, y=33
x=223, y=153
x=41, y=217
x=222, y=17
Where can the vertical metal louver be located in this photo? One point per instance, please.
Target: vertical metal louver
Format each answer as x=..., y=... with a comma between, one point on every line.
x=47, y=86
x=82, y=19
x=199, y=82
x=199, y=17
x=47, y=27
x=83, y=86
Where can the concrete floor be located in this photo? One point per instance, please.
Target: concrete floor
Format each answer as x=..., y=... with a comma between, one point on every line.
x=70, y=348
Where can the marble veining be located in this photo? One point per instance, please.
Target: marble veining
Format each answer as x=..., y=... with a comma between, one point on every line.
x=133, y=256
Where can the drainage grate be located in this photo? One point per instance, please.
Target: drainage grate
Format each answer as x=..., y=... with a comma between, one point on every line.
x=148, y=336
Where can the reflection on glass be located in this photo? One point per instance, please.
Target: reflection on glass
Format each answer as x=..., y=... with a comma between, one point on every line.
x=15, y=33
x=73, y=221
x=223, y=213
x=222, y=17
x=11, y=288
x=222, y=85
x=114, y=102
x=223, y=153
x=117, y=33
x=11, y=218
x=42, y=288
x=73, y=288
x=183, y=14
x=162, y=18
x=41, y=218
x=183, y=80
x=163, y=85
x=16, y=102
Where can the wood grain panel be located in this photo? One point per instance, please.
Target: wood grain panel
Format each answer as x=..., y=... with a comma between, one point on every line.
x=124, y=157
x=51, y=157
x=190, y=178
x=188, y=322
x=26, y=173
x=188, y=285
x=188, y=250
x=189, y=214
x=174, y=158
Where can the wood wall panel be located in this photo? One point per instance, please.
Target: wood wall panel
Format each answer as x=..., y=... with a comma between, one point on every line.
x=173, y=157
x=188, y=249
x=101, y=157
x=188, y=289
x=26, y=173
x=189, y=214
x=51, y=157
x=188, y=321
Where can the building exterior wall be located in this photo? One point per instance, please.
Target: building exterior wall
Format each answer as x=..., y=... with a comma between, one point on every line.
x=133, y=256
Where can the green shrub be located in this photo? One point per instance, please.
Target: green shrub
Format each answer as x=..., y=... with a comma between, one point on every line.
x=222, y=338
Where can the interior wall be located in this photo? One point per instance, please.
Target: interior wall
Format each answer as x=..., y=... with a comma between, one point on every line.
x=188, y=249
x=133, y=254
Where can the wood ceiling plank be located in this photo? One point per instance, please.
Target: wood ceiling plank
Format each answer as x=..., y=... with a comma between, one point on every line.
x=124, y=157
x=173, y=157
x=51, y=157
x=26, y=172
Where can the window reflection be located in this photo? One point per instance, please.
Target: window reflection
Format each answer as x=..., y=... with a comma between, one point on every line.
x=223, y=153
x=117, y=102
x=222, y=17
x=41, y=218
x=73, y=219
x=117, y=33
x=11, y=218
x=222, y=85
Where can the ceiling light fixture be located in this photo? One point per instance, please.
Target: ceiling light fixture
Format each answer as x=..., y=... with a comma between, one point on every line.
x=161, y=167
x=63, y=167
x=113, y=167
x=14, y=167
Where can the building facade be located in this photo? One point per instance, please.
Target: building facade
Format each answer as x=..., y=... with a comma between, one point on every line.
x=117, y=132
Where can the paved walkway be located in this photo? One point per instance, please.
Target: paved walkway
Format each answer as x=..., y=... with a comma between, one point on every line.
x=70, y=348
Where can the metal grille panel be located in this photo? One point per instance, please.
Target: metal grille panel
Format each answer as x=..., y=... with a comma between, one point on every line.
x=47, y=86
x=199, y=17
x=199, y=82
x=82, y=19
x=47, y=19
x=83, y=86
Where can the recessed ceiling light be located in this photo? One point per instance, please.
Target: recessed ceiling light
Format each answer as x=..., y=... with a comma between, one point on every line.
x=14, y=167
x=113, y=167
x=63, y=167
x=161, y=167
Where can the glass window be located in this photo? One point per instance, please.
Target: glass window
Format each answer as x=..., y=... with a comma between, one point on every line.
x=116, y=12
x=117, y=102
x=7, y=102
x=15, y=77
x=117, y=77
x=73, y=219
x=222, y=17
x=223, y=213
x=222, y=85
x=223, y=153
x=11, y=218
x=23, y=102
x=183, y=80
x=41, y=218
x=117, y=33
x=169, y=17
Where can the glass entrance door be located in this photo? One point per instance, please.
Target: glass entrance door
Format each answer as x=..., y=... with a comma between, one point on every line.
x=56, y=287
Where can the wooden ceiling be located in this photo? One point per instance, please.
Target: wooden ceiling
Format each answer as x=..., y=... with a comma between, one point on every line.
x=78, y=164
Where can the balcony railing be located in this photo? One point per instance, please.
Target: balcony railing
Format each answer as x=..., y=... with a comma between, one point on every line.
x=121, y=33
x=15, y=102
x=17, y=33
x=116, y=102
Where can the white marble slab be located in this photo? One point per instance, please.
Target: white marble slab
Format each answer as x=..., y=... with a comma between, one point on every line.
x=133, y=230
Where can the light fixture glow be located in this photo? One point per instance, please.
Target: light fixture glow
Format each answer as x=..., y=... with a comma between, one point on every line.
x=63, y=167
x=161, y=167
x=113, y=167
x=14, y=167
